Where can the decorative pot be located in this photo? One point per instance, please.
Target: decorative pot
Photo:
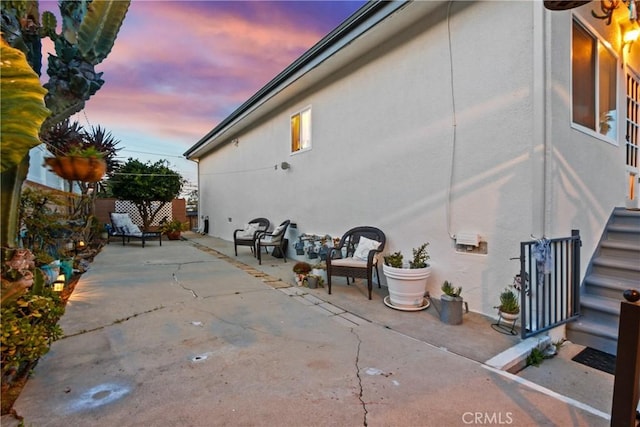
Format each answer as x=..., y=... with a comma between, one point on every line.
x=76, y=168
x=51, y=272
x=451, y=309
x=312, y=281
x=173, y=235
x=407, y=286
x=510, y=317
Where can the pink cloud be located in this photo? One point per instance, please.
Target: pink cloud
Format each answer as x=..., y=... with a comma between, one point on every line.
x=178, y=67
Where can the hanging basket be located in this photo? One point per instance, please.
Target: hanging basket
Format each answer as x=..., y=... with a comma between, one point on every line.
x=75, y=168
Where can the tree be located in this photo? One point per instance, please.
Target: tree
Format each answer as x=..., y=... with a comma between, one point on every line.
x=145, y=183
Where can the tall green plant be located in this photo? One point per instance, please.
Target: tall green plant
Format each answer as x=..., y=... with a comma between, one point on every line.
x=22, y=113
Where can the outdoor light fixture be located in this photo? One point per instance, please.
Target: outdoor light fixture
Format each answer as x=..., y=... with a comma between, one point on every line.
x=630, y=33
x=284, y=165
x=58, y=285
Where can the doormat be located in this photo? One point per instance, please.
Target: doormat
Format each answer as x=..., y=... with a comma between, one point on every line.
x=597, y=359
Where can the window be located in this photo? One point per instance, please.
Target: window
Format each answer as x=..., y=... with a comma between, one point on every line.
x=594, y=71
x=633, y=119
x=301, y=130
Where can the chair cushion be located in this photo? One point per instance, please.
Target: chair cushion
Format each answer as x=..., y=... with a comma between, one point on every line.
x=249, y=230
x=119, y=219
x=132, y=230
x=364, y=246
x=278, y=230
x=270, y=240
x=123, y=224
x=350, y=262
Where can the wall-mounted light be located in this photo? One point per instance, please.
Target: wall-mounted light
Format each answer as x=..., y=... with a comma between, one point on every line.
x=630, y=33
x=58, y=285
x=284, y=165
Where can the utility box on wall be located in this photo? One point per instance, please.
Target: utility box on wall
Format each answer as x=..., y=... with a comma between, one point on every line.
x=470, y=243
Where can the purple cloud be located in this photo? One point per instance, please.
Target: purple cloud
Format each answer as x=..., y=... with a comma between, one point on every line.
x=179, y=67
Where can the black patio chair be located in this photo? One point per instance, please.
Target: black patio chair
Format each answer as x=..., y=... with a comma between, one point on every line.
x=247, y=236
x=275, y=239
x=363, y=244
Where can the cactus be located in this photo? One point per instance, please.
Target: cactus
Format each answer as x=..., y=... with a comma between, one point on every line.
x=22, y=113
x=88, y=32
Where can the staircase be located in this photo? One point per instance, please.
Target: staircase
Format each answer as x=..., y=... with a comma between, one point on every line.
x=614, y=268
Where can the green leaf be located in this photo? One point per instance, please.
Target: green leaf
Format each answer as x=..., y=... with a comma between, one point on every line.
x=22, y=110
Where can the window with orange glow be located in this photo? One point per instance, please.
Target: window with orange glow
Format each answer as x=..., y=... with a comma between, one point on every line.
x=301, y=130
x=632, y=135
x=594, y=83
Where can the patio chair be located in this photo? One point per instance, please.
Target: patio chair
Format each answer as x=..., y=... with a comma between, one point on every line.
x=123, y=226
x=275, y=239
x=363, y=244
x=247, y=236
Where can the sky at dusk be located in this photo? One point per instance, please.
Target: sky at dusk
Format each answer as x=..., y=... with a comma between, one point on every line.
x=180, y=67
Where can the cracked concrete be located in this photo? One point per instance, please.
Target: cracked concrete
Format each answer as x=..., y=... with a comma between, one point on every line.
x=250, y=349
x=357, y=363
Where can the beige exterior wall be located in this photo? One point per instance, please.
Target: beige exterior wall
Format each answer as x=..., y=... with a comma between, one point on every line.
x=383, y=147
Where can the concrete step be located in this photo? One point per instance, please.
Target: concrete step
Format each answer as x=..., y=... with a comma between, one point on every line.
x=622, y=216
x=594, y=335
x=623, y=249
x=615, y=267
x=607, y=286
x=623, y=232
x=601, y=310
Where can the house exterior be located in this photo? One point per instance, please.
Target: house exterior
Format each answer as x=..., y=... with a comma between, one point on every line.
x=436, y=120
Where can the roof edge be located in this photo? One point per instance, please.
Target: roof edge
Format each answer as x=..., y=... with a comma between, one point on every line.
x=359, y=16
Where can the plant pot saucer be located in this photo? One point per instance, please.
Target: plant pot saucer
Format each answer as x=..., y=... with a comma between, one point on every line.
x=425, y=304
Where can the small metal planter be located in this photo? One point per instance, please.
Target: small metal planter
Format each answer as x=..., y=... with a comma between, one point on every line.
x=451, y=309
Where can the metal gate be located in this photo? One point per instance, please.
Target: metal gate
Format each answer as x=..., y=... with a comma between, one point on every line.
x=549, y=283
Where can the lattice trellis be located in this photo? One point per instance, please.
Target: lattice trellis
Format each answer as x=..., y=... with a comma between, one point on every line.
x=130, y=207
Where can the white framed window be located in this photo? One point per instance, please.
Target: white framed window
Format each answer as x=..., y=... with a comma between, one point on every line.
x=301, y=130
x=632, y=136
x=594, y=71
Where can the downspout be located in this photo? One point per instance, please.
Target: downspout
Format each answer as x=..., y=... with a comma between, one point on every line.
x=541, y=119
x=548, y=134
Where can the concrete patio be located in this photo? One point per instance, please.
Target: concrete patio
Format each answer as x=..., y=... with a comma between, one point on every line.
x=189, y=334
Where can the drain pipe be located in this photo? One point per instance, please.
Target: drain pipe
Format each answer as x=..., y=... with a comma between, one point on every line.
x=541, y=117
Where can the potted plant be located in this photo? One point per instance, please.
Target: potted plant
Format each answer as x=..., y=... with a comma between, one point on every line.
x=313, y=281
x=301, y=269
x=509, y=307
x=173, y=229
x=407, y=283
x=451, y=304
x=320, y=269
x=79, y=164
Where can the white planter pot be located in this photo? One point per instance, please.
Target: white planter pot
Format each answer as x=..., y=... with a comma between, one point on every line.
x=406, y=286
x=509, y=316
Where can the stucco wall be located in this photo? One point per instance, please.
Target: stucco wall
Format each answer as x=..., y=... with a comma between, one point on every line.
x=383, y=148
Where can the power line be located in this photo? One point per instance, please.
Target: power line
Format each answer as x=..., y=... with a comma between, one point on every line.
x=155, y=154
